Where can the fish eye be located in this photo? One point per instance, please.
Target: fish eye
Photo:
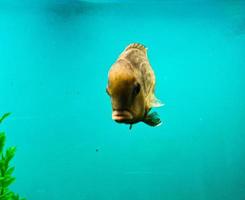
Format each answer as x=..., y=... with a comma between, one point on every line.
x=136, y=89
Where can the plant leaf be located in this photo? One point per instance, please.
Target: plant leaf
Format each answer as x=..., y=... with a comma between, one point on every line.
x=8, y=180
x=2, y=141
x=6, y=195
x=9, y=171
x=10, y=152
x=4, y=116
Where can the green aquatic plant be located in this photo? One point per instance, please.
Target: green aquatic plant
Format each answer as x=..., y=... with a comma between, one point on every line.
x=6, y=171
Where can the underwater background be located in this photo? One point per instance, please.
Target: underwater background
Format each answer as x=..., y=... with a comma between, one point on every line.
x=54, y=60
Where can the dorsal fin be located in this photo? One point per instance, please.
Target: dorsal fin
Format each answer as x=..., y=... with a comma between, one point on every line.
x=137, y=46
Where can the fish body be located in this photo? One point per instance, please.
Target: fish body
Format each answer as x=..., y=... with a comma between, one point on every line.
x=131, y=85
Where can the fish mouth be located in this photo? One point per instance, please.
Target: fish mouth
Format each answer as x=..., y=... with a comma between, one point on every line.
x=122, y=116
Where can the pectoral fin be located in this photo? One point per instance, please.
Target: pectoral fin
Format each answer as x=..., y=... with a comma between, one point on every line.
x=156, y=102
x=152, y=119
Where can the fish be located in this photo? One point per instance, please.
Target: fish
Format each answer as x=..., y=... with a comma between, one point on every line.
x=131, y=87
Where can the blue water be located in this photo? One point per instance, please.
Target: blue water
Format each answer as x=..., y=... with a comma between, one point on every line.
x=54, y=59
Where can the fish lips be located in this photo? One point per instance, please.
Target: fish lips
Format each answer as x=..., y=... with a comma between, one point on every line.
x=122, y=116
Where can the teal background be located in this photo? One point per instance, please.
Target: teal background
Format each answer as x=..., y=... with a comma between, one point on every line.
x=54, y=59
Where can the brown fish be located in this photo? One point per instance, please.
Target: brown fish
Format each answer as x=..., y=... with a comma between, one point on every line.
x=131, y=84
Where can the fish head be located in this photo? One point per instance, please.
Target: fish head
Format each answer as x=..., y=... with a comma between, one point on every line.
x=127, y=97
